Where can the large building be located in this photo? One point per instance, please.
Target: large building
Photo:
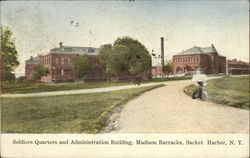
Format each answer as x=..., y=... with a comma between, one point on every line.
x=206, y=58
x=59, y=62
x=238, y=67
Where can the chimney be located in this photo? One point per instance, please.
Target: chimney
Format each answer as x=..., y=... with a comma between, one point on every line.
x=60, y=44
x=162, y=51
x=31, y=58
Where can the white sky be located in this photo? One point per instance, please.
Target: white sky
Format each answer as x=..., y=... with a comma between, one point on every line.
x=39, y=26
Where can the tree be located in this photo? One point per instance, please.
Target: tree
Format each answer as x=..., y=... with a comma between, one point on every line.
x=104, y=58
x=103, y=54
x=38, y=72
x=9, y=54
x=8, y=76
x=129, y=55
x=168, y=68
x=178, y=69
x=82, y=66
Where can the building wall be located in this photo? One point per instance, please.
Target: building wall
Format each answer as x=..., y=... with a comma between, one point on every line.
x=222, y=64
x=28, y=70
x=210, y=63
x=186, y=63
x=61, y=68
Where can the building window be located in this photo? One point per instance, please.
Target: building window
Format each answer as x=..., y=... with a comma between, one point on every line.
x=62, y=61
x=62, y=72
x=68, y=60
x=57, y=61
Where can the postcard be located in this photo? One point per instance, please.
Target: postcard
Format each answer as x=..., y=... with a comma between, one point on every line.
x=125, y=78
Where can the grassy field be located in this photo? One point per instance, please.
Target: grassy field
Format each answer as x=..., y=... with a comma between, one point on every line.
x=34, y=87
x=231, y=91
x=82, y=113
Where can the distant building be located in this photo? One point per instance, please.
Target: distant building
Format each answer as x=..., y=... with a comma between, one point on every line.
x=206, y=58
x=30, y=65
x=238, y=67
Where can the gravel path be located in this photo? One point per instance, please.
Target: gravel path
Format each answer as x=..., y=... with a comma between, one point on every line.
x=169, y=110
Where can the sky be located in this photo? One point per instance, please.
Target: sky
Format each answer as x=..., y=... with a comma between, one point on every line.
x=39, y=26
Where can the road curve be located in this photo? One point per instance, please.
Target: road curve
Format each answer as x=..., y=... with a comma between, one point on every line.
x=169, y=110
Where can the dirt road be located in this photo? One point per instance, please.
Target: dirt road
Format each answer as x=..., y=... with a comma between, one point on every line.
x=169, y=110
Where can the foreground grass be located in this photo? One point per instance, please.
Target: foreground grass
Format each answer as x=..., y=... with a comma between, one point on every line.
x=231, y=91
x=34, y=87
x=82, y=113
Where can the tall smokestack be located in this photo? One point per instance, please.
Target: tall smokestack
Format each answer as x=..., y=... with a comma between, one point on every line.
x=162, y=51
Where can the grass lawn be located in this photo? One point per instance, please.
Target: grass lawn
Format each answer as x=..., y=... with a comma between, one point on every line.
x=34, y=87
x=231, y=91
x=81, y=113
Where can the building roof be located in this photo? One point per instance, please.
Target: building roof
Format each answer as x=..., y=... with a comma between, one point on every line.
x=75, y=50
x=33, y=60
x=199, y=50
x=235, y=61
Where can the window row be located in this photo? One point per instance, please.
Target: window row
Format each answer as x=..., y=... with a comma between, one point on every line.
x=46, y=61
x=188, y=59
x=63, y=61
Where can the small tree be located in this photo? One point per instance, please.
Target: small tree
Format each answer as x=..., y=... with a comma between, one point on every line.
x=38, y=72
x=178, y=69
x=82, y=66
x=168, y=68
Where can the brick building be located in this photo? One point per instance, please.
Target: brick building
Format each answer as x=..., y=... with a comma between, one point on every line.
x=30, y=65
x=206, y=58
x=238, y=67
x=59, y=62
